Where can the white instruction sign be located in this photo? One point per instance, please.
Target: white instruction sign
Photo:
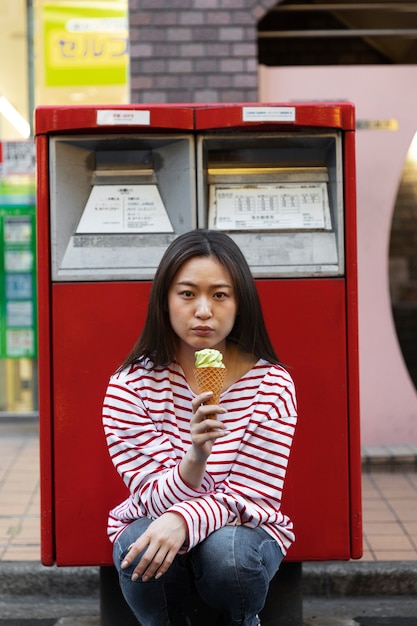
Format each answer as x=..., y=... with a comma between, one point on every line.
x=286, y=206
x=124, y=209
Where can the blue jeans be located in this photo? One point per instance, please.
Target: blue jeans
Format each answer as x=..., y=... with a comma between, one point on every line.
x=231, y=571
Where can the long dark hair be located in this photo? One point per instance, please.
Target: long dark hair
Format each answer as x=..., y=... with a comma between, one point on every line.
x=158, y=342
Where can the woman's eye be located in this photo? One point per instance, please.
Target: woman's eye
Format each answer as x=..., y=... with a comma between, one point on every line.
x=220, y=295
x=186, y=293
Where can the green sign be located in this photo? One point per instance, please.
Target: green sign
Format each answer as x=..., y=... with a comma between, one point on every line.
x=18, y=315
x=85, y=43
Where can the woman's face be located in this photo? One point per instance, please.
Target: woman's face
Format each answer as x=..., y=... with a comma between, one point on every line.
x=202, y=304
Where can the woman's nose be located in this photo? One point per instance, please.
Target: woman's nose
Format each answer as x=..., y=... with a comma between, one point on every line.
x=203, y=308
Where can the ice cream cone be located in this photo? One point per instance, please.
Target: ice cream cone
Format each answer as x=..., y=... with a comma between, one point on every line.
x=211, y=379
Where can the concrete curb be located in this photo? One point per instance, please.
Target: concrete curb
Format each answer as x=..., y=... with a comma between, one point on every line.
x=360, y=578
x=31, y=578
x=328, y=579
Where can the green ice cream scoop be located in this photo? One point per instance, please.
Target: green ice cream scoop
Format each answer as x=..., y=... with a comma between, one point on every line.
x=208, y=358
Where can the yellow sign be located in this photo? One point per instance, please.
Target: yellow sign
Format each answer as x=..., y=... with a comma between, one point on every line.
x=86, y=50
x=85, y=44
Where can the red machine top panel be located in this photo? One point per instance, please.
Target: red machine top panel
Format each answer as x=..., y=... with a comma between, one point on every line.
x=52, y=119
x=273, y=115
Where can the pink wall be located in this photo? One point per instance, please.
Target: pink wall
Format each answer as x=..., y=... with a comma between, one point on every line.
x=388, y=396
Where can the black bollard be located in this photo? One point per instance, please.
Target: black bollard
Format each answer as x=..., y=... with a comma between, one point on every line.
x=114, y=609
x=284, y=604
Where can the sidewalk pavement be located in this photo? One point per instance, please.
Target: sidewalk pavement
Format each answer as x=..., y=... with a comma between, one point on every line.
x=389, y=563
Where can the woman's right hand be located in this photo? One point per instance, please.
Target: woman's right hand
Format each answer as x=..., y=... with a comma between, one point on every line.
x=204, y=428
x=204, y=431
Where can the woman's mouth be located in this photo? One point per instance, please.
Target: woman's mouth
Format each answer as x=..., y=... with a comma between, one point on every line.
x=202, y=331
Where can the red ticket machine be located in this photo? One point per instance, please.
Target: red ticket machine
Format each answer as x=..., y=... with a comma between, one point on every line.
x=115, y=186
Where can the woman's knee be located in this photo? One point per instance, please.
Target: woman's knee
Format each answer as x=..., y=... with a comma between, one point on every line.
x=238, y=549
x=236, y=564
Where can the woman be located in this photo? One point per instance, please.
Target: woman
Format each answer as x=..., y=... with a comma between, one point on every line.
x=205, y=494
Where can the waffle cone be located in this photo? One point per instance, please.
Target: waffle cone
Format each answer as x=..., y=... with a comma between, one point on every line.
x=211, y=379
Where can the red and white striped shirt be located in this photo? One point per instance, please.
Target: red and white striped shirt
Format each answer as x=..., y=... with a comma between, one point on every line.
x=146, y=418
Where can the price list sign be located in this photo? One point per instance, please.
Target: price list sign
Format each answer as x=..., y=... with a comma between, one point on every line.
x=270, y=207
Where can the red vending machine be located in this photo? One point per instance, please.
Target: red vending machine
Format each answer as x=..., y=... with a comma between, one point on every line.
x=115, y=186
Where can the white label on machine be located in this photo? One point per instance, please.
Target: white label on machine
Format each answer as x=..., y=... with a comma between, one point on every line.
x=112, y=117
x=283, y=206
x=269, y=114
x=124, y=209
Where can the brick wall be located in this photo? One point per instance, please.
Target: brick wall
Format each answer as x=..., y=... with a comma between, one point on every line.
x=194, y=50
